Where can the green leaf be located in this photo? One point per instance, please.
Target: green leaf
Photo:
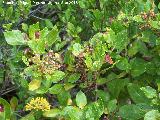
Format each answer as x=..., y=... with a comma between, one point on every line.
x=151, y=68
x=28, y=117
x=24, y=27
x=48, y=23
x=56, y=89
x=138, y=18
x=94, y=110
x=159, y=6
x=52, y=36
x=56, y=76
x=101, y=81
x=64, y=97
x=73, y=30
x=38, y=46
x=72, y=113
x=82, y=3
x=32, y=30
x=89, y=62
x=96, y=65
x=7, y=109
x=155, y=24
x=14, y=37
x=136, y=94
x=115, y=86
x=52, y=113
x=121, y=40
x=131, y=112
x=103, y=95
x=110, y=37
x=133, y=49
x=117, y=26
x=34, y=84
x=77, y=49
x=68, y=86
x=68, y=58
x=149, y=92
x=43, y=33
x=158, y=84
x=9, y=12
x=14, y=103
x=81, y=100
x=74, y=77
x=146, y=35
x=123, y=64
x=112, y=105
x=145, y=106
x=152, y=115
x=138, y=67
x=41, y=90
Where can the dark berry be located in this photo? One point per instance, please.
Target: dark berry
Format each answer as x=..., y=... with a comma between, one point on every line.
x=37, y=35
x=1, y=108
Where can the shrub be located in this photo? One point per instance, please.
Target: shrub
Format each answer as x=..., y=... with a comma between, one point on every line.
x=95, y=59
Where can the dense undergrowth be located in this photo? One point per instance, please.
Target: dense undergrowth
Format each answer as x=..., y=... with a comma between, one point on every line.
x=85, y=60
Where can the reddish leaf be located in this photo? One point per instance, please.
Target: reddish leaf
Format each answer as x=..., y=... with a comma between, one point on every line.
x=108, y=59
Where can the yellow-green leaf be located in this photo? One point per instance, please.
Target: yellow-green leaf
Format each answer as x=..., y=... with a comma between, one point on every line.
x=81, y=99
x=34, y=84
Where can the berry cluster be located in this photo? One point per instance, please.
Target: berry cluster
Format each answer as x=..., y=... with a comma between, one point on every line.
x=149, y=15
x=47, y=63
x=80, y=68
x=50, y=62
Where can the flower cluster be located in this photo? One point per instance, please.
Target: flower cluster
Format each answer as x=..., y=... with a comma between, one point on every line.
x=38, y=103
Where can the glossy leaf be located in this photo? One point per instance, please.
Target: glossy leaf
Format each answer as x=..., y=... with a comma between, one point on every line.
x=81, y=100
x=64, y=97
x=152, y=115
x=94, y=110
x=77, y=49
x=28, y=117
x=56, y=89
x=136, y=94
x=115, y=86
x=112, y=105
x=137, y=67
x=52, y=36
x=149, y=92
x=131, y=112
x=6, y=114
x=14, y=103
x=56, y=76
x=72, y=113
x=73, y=78
x=34, y=84
x=15, y=37
x=123, y=64
x=52, y=113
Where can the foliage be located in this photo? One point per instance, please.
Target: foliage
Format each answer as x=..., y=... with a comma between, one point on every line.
x=90, y=60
